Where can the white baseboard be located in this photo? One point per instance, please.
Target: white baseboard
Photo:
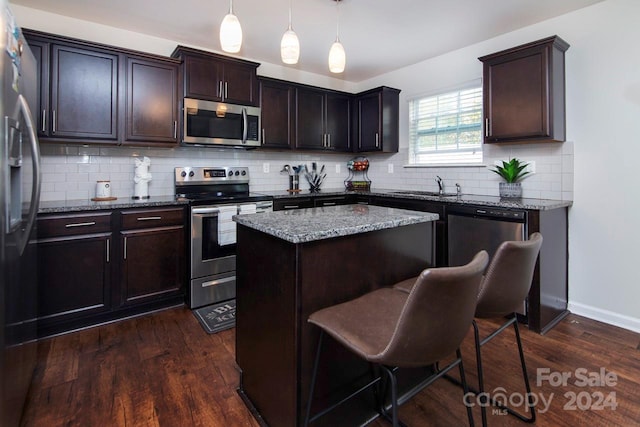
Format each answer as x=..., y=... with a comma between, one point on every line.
x=610, y=317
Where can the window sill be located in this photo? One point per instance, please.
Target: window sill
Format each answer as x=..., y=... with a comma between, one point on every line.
x=446, y=165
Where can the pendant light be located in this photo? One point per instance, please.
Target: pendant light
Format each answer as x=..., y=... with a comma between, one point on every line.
x=290, y=45
x=230, y=32
x=337, y=56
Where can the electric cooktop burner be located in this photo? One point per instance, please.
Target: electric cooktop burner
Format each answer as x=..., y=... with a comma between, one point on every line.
x=214, y=184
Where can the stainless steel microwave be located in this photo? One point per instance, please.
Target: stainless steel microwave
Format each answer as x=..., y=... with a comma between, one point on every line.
x=220, y=123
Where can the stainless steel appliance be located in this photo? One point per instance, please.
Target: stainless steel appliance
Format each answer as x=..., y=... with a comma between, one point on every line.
x=472, y=228
x=215, y=195
x=219, y=123
x=20, y=194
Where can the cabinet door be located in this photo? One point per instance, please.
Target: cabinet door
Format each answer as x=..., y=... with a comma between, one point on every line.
x=240, y=84
x=292, y=203
x=277, y=106
x=338, y=127
x=203, y=78
x=523, y=92
x=151, y=101
x=153, y=265
x=40, y=111
x=310, y=119
x=84, y=94
x=74, y=276
x=369, y=130
x=516, y=100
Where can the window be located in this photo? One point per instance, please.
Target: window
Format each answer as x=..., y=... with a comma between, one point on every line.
x=446, y=128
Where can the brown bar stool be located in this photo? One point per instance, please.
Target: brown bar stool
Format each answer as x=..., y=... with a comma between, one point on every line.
x=394, y=329
x=502, y=292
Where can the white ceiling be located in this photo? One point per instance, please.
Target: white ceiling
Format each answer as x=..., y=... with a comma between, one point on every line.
x=378, y=36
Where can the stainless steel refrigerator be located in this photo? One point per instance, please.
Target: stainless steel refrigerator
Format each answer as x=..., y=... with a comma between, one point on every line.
x=20, y=190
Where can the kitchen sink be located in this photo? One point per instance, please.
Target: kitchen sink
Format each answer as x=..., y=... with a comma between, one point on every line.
x=424, y=193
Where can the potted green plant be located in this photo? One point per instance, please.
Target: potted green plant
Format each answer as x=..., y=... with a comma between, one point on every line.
x=512, y=172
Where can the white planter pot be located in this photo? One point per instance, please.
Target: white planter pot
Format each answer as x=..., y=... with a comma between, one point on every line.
x=510, y=190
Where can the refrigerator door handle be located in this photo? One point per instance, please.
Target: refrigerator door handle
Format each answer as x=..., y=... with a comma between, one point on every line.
x=36, y=182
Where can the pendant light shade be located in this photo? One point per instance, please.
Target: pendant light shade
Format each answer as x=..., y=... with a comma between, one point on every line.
x=230, y=32
x=290, y=45
x=337, y=56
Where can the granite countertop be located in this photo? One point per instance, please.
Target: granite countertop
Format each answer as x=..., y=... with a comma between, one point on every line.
x=120, y=203
x=307, y=225
x=474, y=199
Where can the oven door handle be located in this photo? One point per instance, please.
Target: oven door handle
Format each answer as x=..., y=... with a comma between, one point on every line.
x=200, y=211
x=219, y=281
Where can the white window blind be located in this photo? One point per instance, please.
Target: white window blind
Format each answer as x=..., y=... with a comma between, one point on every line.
x=446, y=128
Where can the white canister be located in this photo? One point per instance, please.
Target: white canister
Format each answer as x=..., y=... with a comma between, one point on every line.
x=103, y=189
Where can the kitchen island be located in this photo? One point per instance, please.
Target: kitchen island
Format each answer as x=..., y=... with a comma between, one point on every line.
x=292, y=263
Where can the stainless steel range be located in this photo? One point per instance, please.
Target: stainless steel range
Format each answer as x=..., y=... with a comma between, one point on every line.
x=215, y=194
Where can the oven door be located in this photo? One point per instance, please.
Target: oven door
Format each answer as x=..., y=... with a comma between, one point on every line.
x=213, y=247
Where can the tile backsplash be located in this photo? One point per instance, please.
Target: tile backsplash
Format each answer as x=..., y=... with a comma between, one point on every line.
x=70, y=172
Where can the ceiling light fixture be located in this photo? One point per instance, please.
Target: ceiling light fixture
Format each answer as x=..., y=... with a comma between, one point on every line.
x=230, y=32
x=290, y=45
x=337, y=56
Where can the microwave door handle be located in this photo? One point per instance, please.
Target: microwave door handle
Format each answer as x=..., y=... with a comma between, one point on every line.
x=245, y=125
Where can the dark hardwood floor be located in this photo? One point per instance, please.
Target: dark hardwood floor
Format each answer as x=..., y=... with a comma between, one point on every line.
x=164, y=370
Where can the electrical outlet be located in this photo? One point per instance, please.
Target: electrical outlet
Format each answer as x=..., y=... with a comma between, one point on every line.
x=390, y=168
x=265, y=167
x=337, y=167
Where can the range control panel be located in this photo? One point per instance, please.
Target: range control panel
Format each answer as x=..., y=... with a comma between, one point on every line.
x=203, y=175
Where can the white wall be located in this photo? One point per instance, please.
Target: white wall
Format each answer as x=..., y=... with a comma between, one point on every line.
x=598, y=165
x=603, y=101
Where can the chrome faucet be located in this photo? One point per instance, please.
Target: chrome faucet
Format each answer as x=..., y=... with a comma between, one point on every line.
x=440, y=185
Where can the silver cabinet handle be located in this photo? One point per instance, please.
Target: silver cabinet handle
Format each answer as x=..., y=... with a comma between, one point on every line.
x=486, y=127
x=264, y=136
x=377, y=140
x=175, y=129
x=54, y=121
x=80, y=224
x=220, y=93
x=150, y=218
x=291, y=206
x=125, y=248
x=107, y=250
x=328, y=204
x=226, y=90
x=44, y=121
x=328, y=140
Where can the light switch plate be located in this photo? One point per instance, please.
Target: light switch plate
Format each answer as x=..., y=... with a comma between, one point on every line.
x=390, y=168
x=265, y=167
x=337, y=167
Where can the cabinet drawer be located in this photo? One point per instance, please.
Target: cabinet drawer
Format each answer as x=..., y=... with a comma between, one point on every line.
x=146, y=218
x=74, y=224
x=293, y=203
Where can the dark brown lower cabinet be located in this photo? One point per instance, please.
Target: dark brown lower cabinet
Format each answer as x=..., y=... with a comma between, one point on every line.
x=153, y=263
x=81, y=254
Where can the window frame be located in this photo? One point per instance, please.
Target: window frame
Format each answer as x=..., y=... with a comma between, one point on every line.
x=477, y=157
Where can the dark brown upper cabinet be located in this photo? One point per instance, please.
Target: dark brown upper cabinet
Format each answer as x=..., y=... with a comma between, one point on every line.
x=278, y=99
x=78, y=90
x=524, y=93
x=376, y=119
x=214, y=77
x=151, y=101
x=93, y=93
x=322, y=120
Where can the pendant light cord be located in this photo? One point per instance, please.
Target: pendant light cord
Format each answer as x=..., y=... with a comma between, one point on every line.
x=290, y=2
x=337, y=20
x=231, y=7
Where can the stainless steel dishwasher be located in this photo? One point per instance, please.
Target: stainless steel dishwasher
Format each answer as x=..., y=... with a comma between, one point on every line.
x=473, y=228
